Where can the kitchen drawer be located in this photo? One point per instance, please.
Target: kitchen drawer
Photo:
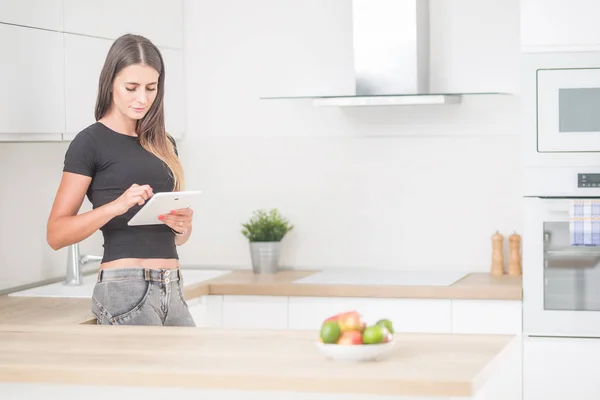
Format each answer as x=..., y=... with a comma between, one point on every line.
x=560, y=369
x=255, y=312
x=407, y=315
x=207, y=311
x=487, y=316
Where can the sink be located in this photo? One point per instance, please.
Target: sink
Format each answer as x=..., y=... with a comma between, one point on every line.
x=383, y=277
x=85, y=290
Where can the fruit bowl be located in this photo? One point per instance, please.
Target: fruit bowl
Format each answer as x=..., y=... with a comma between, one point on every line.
x=356, y=353
x=347, y=337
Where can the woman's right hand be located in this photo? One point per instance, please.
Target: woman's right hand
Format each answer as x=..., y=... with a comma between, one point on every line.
x=136, y=194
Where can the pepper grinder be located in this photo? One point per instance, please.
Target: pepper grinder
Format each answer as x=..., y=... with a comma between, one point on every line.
x=514, y=265
x=497, y=254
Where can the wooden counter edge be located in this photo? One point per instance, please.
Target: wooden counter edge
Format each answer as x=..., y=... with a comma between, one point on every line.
x=473, y=286
x=205, y=380
x=502, y=359
x=371, y=291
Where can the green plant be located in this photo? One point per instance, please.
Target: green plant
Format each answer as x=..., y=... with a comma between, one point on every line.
x=266, y=226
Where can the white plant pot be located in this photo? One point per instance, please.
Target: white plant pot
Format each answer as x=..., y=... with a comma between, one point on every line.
x=265, y=257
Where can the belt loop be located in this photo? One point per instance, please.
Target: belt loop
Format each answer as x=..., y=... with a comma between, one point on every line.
x=146, y=274
x=100, y=276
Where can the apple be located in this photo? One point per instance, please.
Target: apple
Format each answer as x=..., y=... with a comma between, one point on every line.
x=337, y=316
x=333, y=318
x=350, y=338
x=350, y=321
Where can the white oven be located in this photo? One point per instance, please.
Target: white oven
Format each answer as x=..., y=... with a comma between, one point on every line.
x=561, y=104
x=561, y=282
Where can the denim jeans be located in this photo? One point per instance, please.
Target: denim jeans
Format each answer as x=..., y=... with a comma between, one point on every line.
x=139, y=296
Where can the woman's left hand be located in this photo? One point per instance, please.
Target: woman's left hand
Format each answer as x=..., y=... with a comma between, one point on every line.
x=179, y=220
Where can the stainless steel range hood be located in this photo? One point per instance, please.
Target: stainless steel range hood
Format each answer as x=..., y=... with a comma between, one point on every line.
x=391, y=56
x=391, y=46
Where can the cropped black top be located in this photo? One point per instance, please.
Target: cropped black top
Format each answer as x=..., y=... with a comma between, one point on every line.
x=115, y=162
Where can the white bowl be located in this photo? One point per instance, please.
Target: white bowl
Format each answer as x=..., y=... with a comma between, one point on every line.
x=357, y=352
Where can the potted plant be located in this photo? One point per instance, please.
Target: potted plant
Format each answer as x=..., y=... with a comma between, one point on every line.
x=265, y=230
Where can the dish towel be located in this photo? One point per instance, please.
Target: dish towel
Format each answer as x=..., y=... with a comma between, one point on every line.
x=584, y=222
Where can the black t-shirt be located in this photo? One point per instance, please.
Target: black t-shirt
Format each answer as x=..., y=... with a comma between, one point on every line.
x=115, y=162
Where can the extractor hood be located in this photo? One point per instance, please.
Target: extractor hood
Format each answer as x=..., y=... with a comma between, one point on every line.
x=391, y=57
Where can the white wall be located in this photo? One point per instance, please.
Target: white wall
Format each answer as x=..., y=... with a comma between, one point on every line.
x=401, y=187
x=29, y=175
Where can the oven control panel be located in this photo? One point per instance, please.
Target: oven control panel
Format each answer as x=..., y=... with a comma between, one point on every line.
x=588, y=180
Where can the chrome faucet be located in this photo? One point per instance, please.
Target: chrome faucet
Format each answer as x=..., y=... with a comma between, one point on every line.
x=75, y=262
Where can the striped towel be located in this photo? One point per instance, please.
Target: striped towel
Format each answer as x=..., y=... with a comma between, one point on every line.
x=584, y=222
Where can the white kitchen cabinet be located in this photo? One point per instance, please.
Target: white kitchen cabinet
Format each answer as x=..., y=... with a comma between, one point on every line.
x=407, y=315
x=174, y=101
x=207, y=311
x=84, y=59
x=255, y=312
x=558, y=25
x=159, y=20
x=32, y=81
x=46, y=14
x=487, y=316
x=560, y=369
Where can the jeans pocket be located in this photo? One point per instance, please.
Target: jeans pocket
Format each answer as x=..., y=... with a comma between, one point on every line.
x=118, y=301
x=180, y=291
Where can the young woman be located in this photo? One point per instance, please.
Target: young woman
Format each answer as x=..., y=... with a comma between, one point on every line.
x=120, y=161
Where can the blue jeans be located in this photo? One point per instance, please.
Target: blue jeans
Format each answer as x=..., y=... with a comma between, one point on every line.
x=139, y=296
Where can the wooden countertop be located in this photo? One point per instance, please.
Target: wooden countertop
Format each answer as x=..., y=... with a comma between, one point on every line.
x=421, y=364
x=482, y=286
x=72, y=311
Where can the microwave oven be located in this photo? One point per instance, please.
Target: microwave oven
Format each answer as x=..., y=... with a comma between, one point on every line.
x=561, y=105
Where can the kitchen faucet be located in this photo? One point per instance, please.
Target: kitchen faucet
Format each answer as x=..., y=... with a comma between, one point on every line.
x=75, y=262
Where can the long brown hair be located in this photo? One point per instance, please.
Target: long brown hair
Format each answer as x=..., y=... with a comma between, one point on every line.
x=134, y=49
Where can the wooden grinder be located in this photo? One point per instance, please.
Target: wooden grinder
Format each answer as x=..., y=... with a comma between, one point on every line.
x=497, y=254
x=514, y=265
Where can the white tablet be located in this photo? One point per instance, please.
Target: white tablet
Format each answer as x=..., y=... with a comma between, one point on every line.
x=162, y=203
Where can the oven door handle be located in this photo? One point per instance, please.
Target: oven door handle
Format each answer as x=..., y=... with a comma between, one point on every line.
x=560, y=205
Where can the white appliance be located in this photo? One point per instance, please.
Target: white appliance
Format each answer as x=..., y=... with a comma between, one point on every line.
x=561, y=105
x=561, y=283
x=561, y=114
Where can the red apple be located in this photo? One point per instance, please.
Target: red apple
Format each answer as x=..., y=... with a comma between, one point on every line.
x=350, y=338
x=337, y=316
x=350, y=321
x=333, y=318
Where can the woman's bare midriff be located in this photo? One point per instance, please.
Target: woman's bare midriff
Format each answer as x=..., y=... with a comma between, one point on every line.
x=149, y=263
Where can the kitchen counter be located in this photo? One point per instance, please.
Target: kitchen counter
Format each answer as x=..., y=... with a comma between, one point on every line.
x=249, y=360
x=72, y=311
x=480, y=286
